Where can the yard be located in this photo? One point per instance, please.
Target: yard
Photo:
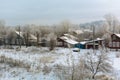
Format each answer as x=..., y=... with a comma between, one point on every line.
x=40, y=64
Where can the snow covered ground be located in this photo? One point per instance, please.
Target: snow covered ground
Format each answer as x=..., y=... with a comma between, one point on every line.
x=30, y=63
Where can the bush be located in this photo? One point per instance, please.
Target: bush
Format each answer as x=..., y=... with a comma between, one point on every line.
x=14, y=62
x=18, y=48
x=52, y=41
x=46, y=69
x=8, y=47
x=104, y=77
x=31, y=49
x=47, y=59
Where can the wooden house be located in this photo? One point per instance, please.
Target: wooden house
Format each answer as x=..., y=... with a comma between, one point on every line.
x=64, y=41
x=29, y=39
x=90, y=44
x=115, y=42
x=14, y=38
x=19, y=38
x=32, y=40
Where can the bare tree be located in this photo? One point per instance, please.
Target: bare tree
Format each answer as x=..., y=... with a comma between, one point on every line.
x=36, y=31
x=113, y=23
x=44, y=30
x=52, y=41
x=38, y=36
x=89, y=66
x=96, y=63
x=65, y=25
x=26, y=31
x=3, y=30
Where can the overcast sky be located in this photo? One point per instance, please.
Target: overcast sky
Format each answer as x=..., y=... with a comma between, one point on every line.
x=16, y=12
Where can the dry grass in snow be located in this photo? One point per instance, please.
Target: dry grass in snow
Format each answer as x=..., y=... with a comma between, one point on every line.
x=39, y=62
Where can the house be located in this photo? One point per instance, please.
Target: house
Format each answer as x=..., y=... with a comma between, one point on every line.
x=64, y=41
x=115, y=42
x=90, y=44
x=19, y=33
x=19, y=38
x=44, y=42
x=32, y=40
x=13, y=38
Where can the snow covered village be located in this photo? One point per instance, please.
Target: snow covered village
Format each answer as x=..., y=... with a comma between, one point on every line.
x=61, y=52
x=59, y=40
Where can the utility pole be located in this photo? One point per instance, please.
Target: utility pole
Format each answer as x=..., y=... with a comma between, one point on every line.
x=19, y=38
x=114, y=24
x=93, y=38
x=37, y=39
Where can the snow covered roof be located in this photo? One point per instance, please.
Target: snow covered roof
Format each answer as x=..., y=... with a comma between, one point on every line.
x=63, y=37
x=84, y=42
x=68, y=40
x=78, y=31
x=98, y=39
x=70, y=36
x=20, y=34
x=118, y=35
x=33, y=37
x=88, y=30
